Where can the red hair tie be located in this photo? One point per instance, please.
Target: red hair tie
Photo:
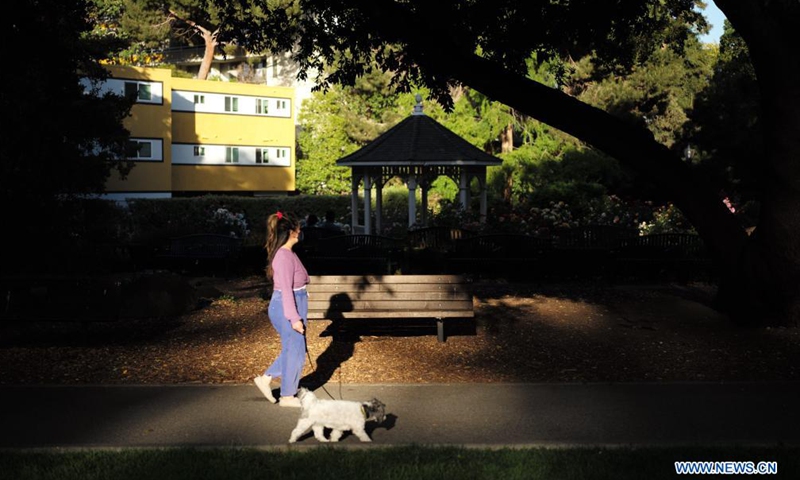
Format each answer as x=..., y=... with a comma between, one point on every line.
x=279, y=214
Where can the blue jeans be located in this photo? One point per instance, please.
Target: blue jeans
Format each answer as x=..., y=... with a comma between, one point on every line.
x=289, y=364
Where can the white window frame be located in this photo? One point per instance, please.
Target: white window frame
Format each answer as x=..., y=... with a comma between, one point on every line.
x=262, y=156
x=262, y=106
x=155, y=146
x=231, y=103
x=144, y=90
x=118, y=86
x=231, y=154
x=238, y=104
x=248, y=155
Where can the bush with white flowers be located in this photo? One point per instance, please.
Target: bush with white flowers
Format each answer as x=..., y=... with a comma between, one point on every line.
x=229, y=223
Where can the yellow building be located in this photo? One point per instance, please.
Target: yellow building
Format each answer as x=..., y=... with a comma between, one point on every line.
x=191, y=137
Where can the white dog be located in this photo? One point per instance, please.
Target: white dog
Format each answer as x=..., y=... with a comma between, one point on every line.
x=338, y=415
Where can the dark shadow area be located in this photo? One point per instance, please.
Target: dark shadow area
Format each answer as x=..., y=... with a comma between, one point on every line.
x=105, y=311
x=351, y=255
x=340, y=349
x=388, y=424
x=42, y=334
x=399, y=327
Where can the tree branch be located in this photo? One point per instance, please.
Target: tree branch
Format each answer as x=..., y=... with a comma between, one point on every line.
x=633, y=146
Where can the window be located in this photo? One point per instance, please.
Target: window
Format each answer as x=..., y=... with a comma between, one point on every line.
x=281, y=104
x=199, y=99
x=231, y=154
x=282, y=153
x=231, y=104
x=139, y=91
x=262, y=155
x=138, y=149
x=145, y=92
x=199, y=151
x=131, y=89
x=262, y=106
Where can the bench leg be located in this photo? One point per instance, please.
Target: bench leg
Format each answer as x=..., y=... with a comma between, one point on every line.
x=440, y=329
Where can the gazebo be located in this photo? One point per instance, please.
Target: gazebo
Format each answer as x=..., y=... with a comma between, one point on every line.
x=418, y=150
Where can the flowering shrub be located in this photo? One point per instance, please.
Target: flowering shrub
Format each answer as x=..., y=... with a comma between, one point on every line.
x=448, y=213
x=228, y=223
x=666, y=219
x=542, y=221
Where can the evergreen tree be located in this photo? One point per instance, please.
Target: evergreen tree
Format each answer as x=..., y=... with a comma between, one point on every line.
x=154, y=25
x=61, y=141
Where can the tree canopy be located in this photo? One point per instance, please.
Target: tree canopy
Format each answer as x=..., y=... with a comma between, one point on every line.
x=485, y=44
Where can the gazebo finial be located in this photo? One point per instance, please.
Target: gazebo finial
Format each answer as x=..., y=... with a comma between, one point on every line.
x=418, y=106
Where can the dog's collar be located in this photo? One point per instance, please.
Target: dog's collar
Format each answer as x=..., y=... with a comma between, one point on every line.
x=364, y=412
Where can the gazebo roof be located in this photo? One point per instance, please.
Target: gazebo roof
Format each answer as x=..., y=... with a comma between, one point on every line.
x=418, y=141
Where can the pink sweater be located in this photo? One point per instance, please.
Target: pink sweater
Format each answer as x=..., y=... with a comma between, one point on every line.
x=288, y=274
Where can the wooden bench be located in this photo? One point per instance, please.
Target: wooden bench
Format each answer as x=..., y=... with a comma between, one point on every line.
x=203, y=246
x=401, y=297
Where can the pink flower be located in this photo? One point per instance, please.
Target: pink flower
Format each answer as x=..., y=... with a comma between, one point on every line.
x=727, y=202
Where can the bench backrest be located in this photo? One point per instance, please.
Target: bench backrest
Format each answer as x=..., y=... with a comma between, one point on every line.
x=334, y=296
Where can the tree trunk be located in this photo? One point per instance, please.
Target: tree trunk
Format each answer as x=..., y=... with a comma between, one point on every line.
x=767, y=289
x=208, y=56
x=507, y=139
x=210, y=40
x=760, y=282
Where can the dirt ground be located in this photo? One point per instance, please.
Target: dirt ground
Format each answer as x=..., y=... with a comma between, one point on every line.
x=521, y=333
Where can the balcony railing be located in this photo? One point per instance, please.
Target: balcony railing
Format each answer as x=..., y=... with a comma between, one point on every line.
x=192, y=55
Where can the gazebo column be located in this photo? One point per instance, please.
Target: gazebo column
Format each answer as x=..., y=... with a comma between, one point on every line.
x=482, y=180
x=367, y=204
x=412, y=199
x=463, y=190
x=378, y=205
x=424, y=203
x=353, y=203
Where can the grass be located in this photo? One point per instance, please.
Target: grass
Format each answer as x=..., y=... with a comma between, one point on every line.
x=412, y=463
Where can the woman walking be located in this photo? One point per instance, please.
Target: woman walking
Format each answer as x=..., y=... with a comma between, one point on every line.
x=288, y=308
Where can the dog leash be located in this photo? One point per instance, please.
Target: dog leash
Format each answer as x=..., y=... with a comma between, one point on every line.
x=314, y=368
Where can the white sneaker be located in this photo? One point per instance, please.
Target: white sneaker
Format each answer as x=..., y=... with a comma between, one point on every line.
x=262, y=382
x=289, y=402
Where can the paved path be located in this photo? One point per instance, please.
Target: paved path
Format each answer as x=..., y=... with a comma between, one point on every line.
x=480, y=414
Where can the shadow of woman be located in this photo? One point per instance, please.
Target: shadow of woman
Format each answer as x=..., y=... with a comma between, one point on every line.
x=341, y=347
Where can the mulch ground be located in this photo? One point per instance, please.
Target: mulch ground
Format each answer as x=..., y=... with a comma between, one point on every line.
x=521, y=333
